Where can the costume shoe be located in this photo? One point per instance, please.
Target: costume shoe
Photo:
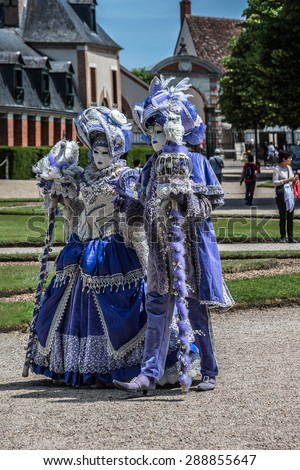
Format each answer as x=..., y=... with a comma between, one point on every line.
x=141, y=383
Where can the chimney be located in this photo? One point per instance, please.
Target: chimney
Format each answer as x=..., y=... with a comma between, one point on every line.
x=185, y=9
x=11, y=12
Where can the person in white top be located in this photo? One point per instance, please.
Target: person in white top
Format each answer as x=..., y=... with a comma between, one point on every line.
x=271, y=153
x=283, y=178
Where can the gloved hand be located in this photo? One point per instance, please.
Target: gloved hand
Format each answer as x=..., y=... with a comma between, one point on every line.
x=180, y=199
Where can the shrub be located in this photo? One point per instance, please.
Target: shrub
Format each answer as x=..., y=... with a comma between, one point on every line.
x=22, y=159
x=140, y=152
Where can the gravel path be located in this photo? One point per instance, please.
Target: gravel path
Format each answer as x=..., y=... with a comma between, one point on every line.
x=255, y=406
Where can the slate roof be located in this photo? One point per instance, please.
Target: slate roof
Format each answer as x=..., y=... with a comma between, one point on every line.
x=60, y=66
x=211, y=36
x=55, y=21
x=32, y=100
x=11, y=40
x=36, y=62
x=10, y=58
x=85, y=2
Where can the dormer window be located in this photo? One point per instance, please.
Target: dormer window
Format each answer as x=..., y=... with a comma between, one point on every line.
x=70, y=94
x=114, y=88
x=86, y=12
x=93, y=77
x=45, y=89
x=19, y=90
x=93, y=19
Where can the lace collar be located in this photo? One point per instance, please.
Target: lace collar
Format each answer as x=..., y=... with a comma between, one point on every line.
x=92, y=175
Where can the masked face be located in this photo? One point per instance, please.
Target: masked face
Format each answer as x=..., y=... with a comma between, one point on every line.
x=158, y=138
x=101, y=157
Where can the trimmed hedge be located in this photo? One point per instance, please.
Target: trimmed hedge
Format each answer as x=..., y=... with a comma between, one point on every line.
x=22, y=159
x=142, y=153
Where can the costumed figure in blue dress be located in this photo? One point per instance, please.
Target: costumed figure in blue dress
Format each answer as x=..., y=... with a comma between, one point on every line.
x=178, y=190
x=91, y=322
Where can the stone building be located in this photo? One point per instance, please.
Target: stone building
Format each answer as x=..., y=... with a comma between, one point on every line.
x=202, y=44
x=55, y=60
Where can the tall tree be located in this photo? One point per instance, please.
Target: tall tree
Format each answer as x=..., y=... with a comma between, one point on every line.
x=143, y=74
x=262, y=77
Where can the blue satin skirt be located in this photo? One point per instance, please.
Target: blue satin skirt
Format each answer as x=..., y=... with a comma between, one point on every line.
x=91, y=325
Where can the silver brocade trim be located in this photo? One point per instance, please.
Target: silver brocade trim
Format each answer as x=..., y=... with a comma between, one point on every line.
x=171, y=373
x=95, y=182
x=97, y=283
x=86, y=233
x=135, y=238
x=44, y=350
x=100, y=283
x=90, y=193
x=89, y=355
x=177, y=186
x=62, y=276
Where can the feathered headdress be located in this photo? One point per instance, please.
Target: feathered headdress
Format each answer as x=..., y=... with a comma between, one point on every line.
x=164, y=101
x=93, y=122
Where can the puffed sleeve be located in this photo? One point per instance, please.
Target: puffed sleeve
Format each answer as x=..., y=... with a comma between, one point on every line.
x=205, y=182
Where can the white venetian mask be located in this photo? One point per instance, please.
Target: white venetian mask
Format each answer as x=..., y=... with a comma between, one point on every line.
x=101, y=157
x=158, y=138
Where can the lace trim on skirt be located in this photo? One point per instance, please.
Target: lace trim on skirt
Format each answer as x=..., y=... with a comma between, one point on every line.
x=88, y=355
x=100, y=283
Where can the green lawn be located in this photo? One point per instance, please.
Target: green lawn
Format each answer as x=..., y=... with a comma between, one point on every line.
x=265, y=184
x=259, y=254
x=266, y=289
x=18, y=257
x=245, y=229
x=15, y=314
x=19, y=278
x=259, y=291
x=28, y=210
x=16, y=202
x=28, y=229
x=25, y=227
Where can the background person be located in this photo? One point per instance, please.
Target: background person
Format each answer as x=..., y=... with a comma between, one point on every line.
x=217, y=164
x=137, y=165
x=283, y=178
x=249, y=176
x=271, y=153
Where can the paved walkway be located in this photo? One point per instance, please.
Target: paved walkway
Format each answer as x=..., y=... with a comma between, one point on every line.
x=222, y=247
x=255, y=405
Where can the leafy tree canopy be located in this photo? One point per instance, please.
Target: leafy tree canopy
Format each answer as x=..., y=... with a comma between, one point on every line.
x=143, y=74
x=261, y=84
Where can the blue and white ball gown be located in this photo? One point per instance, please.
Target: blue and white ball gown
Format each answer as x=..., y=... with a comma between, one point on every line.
x=91, y=326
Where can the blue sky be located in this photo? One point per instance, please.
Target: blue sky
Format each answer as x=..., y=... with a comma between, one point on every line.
x=148, y=29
